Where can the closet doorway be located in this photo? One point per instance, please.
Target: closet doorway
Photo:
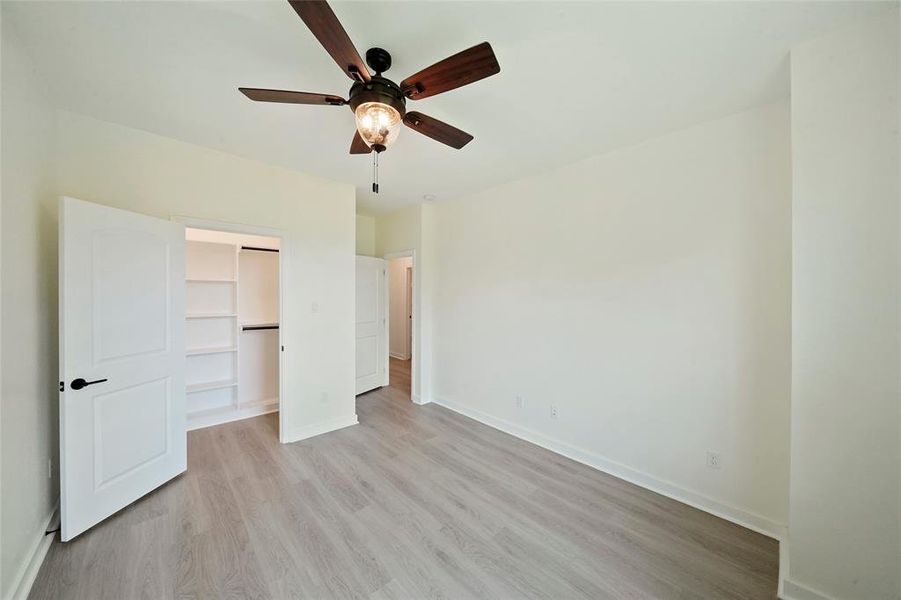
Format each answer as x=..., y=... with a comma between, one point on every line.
x=400, y=319
x=233, y=325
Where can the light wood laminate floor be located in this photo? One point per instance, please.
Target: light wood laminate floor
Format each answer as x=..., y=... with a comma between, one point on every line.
x=414, y=502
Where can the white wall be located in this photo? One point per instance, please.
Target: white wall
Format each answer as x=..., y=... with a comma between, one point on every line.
x=365, y=235
x=46, y=154
x=129, y=169
x=28, y=397
x=399, y=342
x=398, y=231
x=845, y=511
x=645, y=293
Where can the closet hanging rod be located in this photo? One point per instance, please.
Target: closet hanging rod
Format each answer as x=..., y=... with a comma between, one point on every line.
x=259, y=249
x=258, y=327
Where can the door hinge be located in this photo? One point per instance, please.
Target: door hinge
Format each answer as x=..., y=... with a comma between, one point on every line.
x=62, y=386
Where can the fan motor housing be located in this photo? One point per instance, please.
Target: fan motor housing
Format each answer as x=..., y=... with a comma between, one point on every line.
x=378, y=59
x=377, y=89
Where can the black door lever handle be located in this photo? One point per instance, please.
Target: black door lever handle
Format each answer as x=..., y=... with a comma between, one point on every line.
x=79, y=383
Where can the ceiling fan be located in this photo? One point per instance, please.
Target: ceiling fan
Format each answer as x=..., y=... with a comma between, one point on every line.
x=378, y=103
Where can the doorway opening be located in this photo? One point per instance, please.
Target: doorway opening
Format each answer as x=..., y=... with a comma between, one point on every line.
x=233, y=325
x=400, y=319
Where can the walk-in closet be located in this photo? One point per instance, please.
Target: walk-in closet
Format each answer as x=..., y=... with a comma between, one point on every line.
x=232, y=327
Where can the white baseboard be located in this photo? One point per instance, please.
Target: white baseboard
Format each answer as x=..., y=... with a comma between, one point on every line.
x=783, y=567
x=315, y=429
x=747, y=519
x=417, y=399
x=29, y=568
x=792, y=590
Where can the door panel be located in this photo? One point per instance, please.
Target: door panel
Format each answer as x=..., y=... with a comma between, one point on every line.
x=130, y=429
x=371, y=324
x=122, y=320
x=367, y=356
x=129, y=267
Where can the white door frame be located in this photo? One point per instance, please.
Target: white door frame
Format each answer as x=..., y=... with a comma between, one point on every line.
x=283, y=255
x=414, y=335
x=408, y=312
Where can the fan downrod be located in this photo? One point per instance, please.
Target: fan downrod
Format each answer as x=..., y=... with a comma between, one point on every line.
x=378, y=59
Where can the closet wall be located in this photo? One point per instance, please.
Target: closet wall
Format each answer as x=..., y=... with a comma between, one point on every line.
x=232, y=326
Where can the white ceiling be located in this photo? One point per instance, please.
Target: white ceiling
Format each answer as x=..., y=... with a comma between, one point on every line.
x=577, y=79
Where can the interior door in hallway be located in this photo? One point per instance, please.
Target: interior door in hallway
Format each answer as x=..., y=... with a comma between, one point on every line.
x=122, y=359
x=371, y=324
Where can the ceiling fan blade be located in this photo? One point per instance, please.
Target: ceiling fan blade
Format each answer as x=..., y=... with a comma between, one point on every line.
x=358, y=146
x=263, y=95
x=318, y=16
x=437, y=130
x=454, y=71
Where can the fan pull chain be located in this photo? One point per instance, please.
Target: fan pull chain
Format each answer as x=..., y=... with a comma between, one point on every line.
x=375, y=172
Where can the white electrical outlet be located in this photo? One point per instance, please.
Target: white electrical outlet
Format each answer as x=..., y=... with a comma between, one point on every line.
x=713, y=460
x=520, y=402
x=553, y=411
x=324, y=397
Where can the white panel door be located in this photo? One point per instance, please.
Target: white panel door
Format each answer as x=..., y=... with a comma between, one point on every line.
x=122, y=359
x=372, y=326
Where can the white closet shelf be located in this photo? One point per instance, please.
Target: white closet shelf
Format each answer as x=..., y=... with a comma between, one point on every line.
x=210, y=411
x=211, y=385
x=205, y=417
x=259, y=403
x=211, y=315
x=211, y=280
x=219, y=350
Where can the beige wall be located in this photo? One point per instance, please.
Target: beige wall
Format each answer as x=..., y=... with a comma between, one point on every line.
x=646, y=294
x=365, y=235
x=28, y=396
x=846, y=460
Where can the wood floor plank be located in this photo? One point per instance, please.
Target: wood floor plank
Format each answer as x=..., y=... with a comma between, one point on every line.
x=414, y=502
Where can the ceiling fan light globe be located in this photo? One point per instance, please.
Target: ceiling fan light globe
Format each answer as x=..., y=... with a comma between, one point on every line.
x=378, y=123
